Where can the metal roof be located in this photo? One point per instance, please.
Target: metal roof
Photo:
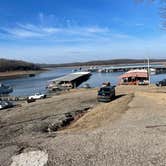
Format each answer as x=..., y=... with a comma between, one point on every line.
x=135, y=73
x=71, y=77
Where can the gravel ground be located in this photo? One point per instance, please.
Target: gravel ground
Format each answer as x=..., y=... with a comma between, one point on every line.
x=26, y=127
x=135, y=138
x=130, y=130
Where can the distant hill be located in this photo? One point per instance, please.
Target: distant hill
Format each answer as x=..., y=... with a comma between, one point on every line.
x=104, y=62
x=16, y=65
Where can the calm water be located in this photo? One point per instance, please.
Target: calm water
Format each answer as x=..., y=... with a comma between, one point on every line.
x=30, y=85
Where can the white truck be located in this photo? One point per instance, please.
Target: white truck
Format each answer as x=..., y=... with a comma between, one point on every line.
x=37, y=96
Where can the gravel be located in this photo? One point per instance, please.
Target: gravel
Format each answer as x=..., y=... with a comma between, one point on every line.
x=116, y=133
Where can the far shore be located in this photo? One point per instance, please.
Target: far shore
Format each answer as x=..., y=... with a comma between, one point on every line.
x=18, y=74
x=100, y=65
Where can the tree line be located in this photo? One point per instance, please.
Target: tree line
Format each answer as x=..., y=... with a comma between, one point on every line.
x=16, y=65
x=103, y=62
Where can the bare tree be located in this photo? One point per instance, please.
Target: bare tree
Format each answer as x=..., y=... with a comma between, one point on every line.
x=163, y=14
x=162, y=9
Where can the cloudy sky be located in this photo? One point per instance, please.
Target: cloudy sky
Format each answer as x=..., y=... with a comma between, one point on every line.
x=60, y=31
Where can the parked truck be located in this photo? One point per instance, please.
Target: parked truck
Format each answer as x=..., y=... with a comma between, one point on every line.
x=106, y=93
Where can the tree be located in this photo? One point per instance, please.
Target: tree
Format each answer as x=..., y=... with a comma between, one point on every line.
x=163, y=13
x=162, y=9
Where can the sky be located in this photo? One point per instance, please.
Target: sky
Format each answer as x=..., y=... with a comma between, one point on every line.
x=62, y=31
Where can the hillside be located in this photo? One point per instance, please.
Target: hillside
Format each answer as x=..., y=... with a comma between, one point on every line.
x=103, y=62
x=16, y=65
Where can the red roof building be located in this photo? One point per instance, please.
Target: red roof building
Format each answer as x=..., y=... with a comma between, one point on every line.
x=134, y=77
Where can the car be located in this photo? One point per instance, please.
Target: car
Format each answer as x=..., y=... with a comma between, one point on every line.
x=161, y=83
x=37, y=96
x=106, y=94
x=5, y=104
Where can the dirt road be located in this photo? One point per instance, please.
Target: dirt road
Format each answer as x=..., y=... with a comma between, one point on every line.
x=130, y=130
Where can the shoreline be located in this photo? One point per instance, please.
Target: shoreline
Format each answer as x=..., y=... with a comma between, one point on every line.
x=19, y=74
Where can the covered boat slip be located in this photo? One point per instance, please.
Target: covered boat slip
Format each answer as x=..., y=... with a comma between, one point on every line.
x=73, y=79
x=134, y=77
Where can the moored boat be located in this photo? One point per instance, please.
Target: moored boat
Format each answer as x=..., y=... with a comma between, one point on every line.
x=5, y=89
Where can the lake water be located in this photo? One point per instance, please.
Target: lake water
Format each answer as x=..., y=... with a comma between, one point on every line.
x=29, y=85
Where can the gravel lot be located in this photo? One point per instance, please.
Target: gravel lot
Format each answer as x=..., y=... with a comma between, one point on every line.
x=130, y=130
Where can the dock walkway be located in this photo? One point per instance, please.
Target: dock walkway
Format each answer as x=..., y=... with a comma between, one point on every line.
x=159, y=68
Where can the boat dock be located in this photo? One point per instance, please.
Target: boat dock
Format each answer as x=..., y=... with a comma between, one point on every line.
x=158, y=68
x=73, y=79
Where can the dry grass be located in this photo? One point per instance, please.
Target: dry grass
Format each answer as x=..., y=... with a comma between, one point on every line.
x=159, y=98
x=102, y=114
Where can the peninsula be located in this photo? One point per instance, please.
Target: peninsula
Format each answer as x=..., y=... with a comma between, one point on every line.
x=17, y=68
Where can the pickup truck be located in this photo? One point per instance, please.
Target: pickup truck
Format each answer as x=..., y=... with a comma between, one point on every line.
x=37, y=96
x=106, y=94
x=161, y=83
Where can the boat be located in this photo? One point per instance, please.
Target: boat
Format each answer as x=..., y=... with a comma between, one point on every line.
x=74, y=70
x=93, y=69
x=5, y=89
x=32, y=75
x=135, y=77
x=86, y=86
x=152, y=71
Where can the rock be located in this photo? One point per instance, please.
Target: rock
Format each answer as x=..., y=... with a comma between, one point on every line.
x=32, y=158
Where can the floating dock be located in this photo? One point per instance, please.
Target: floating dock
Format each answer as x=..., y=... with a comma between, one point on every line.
x=73, y=79
x=159, y=68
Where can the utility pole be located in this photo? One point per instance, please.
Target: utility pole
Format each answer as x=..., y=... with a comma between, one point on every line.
x=149, y=70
